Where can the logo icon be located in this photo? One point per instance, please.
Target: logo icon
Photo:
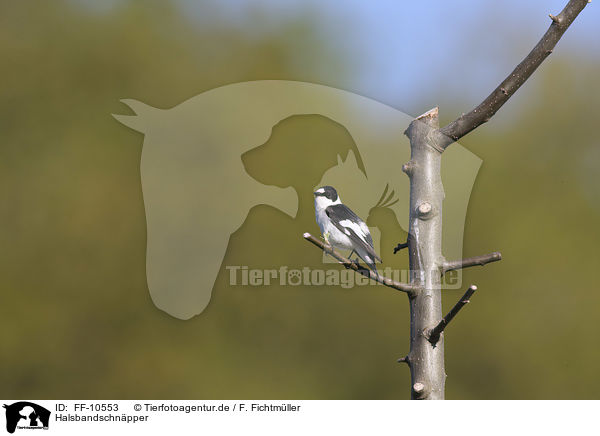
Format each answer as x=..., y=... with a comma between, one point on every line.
x=26, y=415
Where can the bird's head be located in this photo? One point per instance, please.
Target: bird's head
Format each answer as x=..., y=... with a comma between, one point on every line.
x=326, y=196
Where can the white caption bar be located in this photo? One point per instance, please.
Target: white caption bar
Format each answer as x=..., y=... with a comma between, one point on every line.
x=250, y=417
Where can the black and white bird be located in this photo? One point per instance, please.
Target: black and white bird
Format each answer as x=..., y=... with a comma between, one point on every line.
x=342, y=228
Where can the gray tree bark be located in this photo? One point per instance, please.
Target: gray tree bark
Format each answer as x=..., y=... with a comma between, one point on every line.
x=426, y=360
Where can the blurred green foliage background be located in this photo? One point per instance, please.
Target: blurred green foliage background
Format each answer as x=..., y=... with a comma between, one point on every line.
x=76, y=318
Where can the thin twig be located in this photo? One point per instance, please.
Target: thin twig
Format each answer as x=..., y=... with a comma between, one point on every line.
x=433, y=335
x=482, y=113
x=404, y=287
x=404, y=359
x=400, y=246
x=471, y=261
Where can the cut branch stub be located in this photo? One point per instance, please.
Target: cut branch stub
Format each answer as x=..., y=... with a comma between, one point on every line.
x=425, y=210
x=419, y=390
x=404, y=359
x=408, y=167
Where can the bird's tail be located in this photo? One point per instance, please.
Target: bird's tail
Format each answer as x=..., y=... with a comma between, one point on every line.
x=371, y=263
x=373, y=267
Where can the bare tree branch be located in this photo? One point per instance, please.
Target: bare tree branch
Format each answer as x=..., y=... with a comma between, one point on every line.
x=482, y=113
x=433, y=335
x=471, y=261
x=404, y=287
x=400, y=246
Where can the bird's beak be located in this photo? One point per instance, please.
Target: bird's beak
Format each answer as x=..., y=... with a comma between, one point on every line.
x=315, y=194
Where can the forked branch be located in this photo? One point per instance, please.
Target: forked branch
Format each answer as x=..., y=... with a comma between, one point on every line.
x=404, y=287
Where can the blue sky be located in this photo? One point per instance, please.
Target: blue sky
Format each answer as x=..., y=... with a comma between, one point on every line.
x=408, y=53
x=404, y=53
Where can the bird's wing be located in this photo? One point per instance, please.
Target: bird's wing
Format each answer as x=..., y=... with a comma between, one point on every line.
x=352, y=226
